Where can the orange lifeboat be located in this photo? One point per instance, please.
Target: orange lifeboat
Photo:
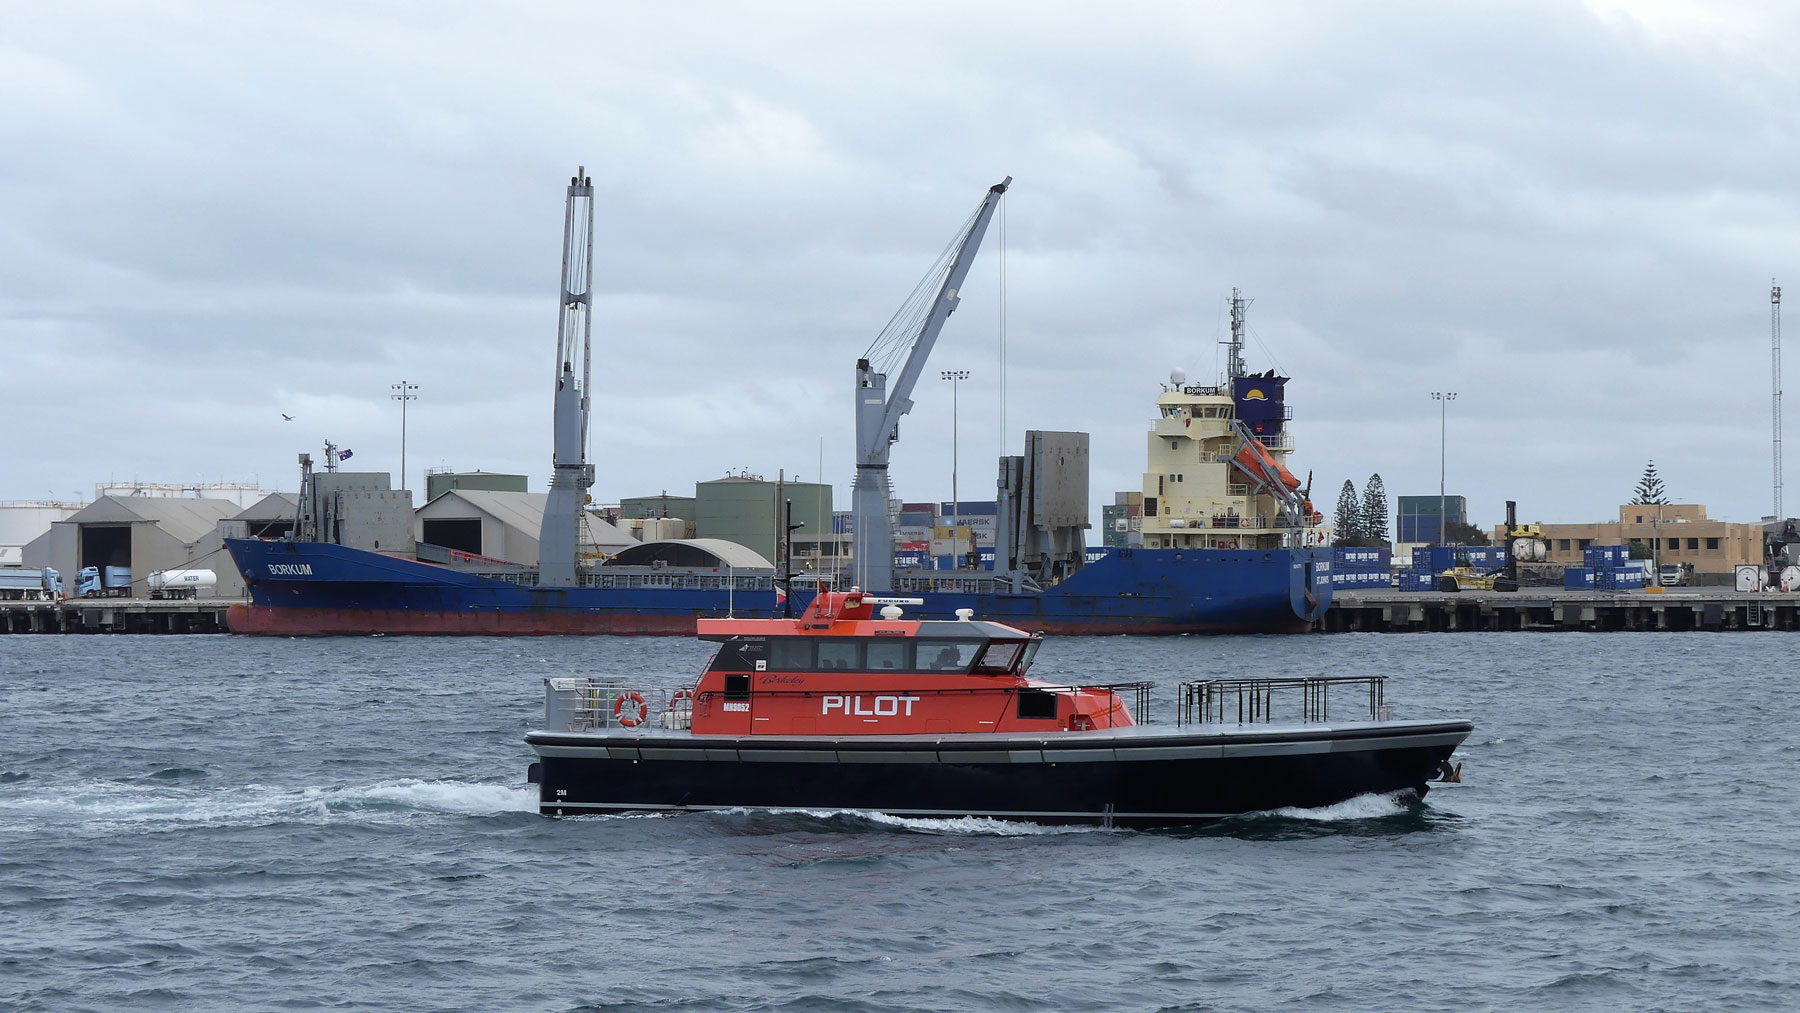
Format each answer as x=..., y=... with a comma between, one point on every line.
x=1256, y=462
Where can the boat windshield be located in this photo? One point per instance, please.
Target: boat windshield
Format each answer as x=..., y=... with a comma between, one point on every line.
x=1031, y=650
x=946, y=655
x=999, y=656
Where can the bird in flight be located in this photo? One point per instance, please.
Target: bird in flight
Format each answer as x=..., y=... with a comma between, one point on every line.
x=285, y=417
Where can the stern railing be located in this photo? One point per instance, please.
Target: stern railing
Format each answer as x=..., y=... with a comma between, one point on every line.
x=1254, y=701
x=581, y=704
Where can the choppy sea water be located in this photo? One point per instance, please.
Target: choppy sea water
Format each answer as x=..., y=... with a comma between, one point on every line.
x=226, y=823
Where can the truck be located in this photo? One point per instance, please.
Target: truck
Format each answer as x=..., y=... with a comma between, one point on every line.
x=1675, y=574
x=19, y=583
x=181, y=583
x=104, y=582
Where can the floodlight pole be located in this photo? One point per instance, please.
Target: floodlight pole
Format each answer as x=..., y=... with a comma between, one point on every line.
x=956, y=377
x=1443, y=399
x=403, y=392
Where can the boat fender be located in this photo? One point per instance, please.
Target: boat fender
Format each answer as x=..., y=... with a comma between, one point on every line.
x=639, y=709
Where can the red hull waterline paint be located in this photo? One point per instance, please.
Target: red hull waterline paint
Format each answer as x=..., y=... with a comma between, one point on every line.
x=286, y=621
x=264, y=620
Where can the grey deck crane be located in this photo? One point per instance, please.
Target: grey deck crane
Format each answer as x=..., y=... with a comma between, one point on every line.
x=878, y=410
x=572, y=475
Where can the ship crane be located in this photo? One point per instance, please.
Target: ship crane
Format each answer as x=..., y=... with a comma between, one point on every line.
x=572, y=475
x=878, y=410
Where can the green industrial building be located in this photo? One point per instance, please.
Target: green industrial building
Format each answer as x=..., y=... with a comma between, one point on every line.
x=746, y=509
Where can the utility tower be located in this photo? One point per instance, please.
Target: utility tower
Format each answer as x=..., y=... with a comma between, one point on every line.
x=912, y=332
x=1775, y=382
x=572, y=475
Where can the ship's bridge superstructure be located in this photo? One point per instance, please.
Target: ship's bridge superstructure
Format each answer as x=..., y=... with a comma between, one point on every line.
x=1216, y=475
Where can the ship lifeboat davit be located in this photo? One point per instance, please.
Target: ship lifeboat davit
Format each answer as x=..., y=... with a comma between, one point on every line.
x=1262, y=468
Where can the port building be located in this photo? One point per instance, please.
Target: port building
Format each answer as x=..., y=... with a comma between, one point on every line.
x=143, y=533
x=503, y=525
x=1675, y=532
x=747, y=509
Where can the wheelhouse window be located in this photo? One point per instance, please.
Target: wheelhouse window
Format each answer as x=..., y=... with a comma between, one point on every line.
x=946, y=655
x=790, y=654
x=838, y=655
x=999, y=656
x=886, y=655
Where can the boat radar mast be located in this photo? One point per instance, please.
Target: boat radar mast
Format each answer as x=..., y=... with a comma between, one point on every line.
x=571, y=474
x=916, y=325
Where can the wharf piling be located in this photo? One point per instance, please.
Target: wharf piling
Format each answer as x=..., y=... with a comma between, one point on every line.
x=116, y=615
x=1558, y=611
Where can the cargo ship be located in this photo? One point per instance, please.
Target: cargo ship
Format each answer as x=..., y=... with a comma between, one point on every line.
x=1226, y=540
x=850, y=708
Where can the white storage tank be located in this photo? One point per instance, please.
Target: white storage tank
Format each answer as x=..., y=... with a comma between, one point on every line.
x=1749, y=577
x=1790, y=579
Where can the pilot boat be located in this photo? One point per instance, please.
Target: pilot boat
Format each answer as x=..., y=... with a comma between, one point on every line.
x=852, y=706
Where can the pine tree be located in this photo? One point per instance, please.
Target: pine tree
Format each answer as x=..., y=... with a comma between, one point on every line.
x=1349, y=517
x=1374, y=511
x=1650, y=488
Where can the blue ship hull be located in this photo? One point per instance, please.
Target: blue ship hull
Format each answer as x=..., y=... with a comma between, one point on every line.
x=311, y=588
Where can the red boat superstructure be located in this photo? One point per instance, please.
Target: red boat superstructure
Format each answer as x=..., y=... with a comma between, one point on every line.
x=853, y=665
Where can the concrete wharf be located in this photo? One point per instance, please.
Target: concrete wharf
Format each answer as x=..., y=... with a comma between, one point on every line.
x=116, y=615
x=1558, y=610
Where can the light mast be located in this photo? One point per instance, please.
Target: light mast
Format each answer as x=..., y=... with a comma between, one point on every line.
x=571, y=475
x=1775, y=382
x=878, y=411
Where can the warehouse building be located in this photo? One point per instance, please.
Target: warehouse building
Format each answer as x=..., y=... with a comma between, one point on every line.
x=505, y=525
x=143, y=533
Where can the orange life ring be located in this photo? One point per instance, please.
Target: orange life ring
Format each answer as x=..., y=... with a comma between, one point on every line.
x=641, y=709
x=680, y=696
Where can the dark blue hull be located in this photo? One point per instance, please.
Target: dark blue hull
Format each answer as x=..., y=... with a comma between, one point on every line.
x=308, y=588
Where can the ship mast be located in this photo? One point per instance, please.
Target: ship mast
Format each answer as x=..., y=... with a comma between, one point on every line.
x=1234, y=350
x=572, y=475
x=878, y=411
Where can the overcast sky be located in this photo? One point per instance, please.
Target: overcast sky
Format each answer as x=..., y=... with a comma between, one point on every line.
x=1568, y=213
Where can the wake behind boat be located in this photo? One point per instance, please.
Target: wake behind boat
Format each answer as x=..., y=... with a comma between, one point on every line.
x=844, y=708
